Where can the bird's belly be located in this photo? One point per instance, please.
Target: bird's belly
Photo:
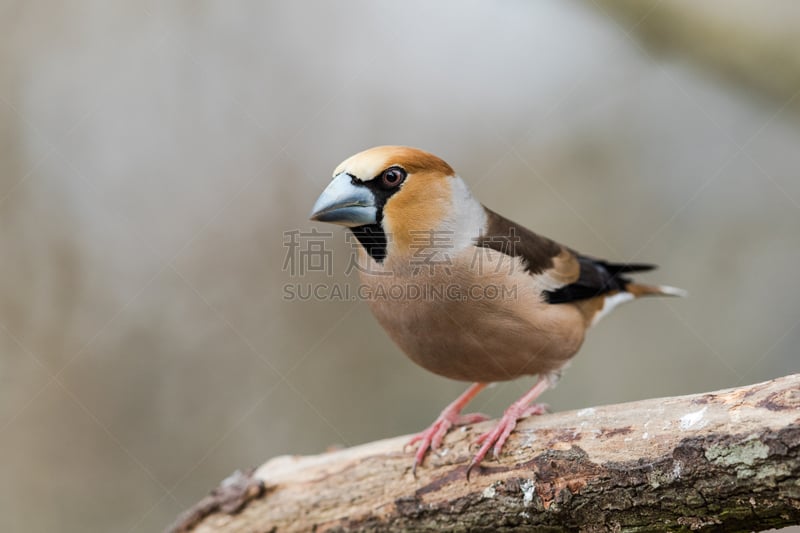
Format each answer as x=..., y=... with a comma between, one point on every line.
x=482, y=339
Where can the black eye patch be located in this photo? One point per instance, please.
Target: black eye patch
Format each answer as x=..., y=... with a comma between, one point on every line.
x=372, y=236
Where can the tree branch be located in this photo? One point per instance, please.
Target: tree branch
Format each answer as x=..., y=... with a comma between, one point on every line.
x=727, y=460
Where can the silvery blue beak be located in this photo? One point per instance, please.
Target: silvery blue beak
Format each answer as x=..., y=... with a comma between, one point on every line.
x=346, y=204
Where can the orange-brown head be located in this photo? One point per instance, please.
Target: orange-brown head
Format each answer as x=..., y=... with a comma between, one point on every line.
x=390, y=195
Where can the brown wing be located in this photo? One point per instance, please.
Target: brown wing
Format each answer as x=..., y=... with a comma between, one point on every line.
x=573, y=276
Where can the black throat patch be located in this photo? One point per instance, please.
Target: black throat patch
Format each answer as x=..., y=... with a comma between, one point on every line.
x=372, y=236
x=373, y=239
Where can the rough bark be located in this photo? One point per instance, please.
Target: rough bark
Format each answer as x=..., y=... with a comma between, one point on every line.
x=721, y=461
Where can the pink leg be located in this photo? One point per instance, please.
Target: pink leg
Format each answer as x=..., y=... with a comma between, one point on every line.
x=520, y=409
x=431, y=438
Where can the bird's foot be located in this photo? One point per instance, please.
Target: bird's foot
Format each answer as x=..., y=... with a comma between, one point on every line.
x=431, y=438
x=499, y=434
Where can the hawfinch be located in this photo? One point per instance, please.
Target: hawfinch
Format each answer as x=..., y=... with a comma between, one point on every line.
x=463, y=291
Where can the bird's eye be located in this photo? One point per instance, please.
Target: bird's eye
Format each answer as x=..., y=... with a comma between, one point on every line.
x=392, y=177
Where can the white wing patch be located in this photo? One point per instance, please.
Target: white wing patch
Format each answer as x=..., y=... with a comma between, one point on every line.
x=549, y=282
x=610, y=303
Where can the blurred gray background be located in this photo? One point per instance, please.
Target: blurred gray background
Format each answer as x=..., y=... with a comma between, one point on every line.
x=152, y=157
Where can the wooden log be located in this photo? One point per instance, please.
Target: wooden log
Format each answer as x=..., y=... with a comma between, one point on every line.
x=722, y=461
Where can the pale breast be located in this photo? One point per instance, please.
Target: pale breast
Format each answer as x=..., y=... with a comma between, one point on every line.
x=480, y=317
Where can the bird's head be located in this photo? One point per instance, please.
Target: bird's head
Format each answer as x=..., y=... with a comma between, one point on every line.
x=394, y=191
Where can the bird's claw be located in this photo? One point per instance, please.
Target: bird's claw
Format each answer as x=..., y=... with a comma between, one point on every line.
x=497, y=437
x=431, y=438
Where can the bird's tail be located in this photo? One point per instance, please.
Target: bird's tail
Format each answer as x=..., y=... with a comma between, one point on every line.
x=632, y=290
x=639, y=289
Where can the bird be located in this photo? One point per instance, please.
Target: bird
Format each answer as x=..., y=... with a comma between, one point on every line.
x=465, y=292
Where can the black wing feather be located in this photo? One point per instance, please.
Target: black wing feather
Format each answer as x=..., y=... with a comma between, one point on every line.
x=596, y=277
x=619, y=268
